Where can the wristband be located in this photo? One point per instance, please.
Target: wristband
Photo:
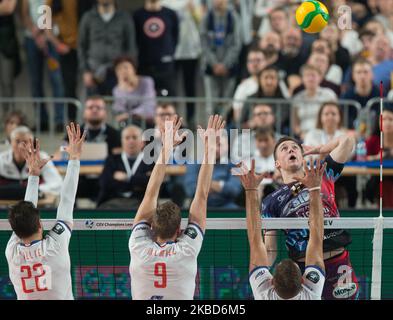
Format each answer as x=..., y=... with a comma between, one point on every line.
x=314, y=189
x=251, y=189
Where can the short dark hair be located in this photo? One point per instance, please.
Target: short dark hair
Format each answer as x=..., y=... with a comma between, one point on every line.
x=165, y=105
x=166, y=220
x=287, y=279
x=262, y=132
x=16, y=114
x=123, y=59
x=95, y=97
x=24, y=219
x=260, y=104
x=361, y=60
x=269, y=68
x=282, y=140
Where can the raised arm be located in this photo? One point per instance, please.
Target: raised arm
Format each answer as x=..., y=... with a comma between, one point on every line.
x=35, y=164
x=312, y=180
x=198, y=207
x=70, y=185
x=251, y=181
x=170, y=138
x=340, y=148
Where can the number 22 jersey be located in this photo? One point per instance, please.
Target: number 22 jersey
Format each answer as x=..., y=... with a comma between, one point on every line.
x=166, y=271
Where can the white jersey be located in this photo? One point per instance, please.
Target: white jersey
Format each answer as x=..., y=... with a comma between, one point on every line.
x=164, y=272
x=41, y=271
x=312, y=287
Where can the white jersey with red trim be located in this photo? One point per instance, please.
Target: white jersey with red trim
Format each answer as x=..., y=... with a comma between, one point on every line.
x=41, y=271
x=263, y=289
x=164, y=272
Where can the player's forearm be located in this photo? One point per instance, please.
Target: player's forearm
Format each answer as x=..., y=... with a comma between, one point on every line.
x=68, y=192
x=316, y=221
x=157, y=176
x=258, y=253
x=32, y=190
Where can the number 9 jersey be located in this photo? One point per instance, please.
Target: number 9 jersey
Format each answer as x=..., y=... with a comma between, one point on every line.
x=167, y=271
x=41, y=271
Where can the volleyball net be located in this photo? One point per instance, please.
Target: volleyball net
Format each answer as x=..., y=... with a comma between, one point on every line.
x=100, y=256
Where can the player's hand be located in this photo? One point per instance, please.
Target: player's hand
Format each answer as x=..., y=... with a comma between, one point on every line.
x=75, y=141
x=215, y=124
x=315, y=150
x=169, y=131
x=249, y=179
x=33, y=157
x=313, y=174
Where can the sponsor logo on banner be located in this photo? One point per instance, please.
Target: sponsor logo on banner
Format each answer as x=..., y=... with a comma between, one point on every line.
x=345, y=291
x=89, y=224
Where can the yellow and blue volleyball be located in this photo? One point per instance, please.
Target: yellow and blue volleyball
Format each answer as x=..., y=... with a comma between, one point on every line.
x=312, y=16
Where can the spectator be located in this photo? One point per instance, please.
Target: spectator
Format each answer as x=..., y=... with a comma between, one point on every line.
x=248, y=87
x=189, y=48
x=270, y=44
x=225, y=186
x=373, y=145
x=13, y=120
x=321, y=61
x=263, y=117
x=65, y=17
x=135, y=96
x=334, y=73
x=331, y=33
x=14, y=171
x=9, y=50
x=293, y=54
x=330, y=126
x=377, y=27
x=381, y=58
x=366, y=37
x=157, y=35
x=125, y=176
x=39, y=52
x=269, y=88
x=173, y=185
x=363, y=90
x=105, y=33
x=385, y=15
x=274, y=16
x=308, y=102
x=221, y=44
x=98, y=131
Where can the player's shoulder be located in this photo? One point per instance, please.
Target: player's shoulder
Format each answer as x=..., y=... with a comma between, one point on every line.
x=277, y=196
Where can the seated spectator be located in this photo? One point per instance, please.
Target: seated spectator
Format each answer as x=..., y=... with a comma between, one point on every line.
x=221, y=45
x=373, y=145
x=308, y=102
x=330, y=126
x=125, y=177
x=172, y=187
x=321, y=61
x=381, y=58
x=14, y=171
x=362, y=91
x=277, y=21
x=225, y=186
x=270, y=44
x=294, y=55
x=242, y=146
x=13, y=120
x=331, y=34
x=268, y=88
x=135, y=96
x=105, y=33
x=334, y=72
x=98, y=131
x=248, y=87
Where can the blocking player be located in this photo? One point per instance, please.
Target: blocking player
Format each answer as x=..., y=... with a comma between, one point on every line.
x=287, y=282
x=40, y=266
x=164, y=260
x=292, y=200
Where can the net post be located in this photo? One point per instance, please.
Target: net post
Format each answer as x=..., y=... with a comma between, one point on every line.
x=376, y=275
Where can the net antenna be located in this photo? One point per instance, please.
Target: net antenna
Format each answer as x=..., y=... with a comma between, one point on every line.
x=379, y=222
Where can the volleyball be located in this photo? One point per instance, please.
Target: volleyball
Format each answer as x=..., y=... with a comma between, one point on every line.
x=312, y=16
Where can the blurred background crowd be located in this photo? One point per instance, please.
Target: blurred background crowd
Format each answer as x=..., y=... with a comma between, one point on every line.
x=132, y=64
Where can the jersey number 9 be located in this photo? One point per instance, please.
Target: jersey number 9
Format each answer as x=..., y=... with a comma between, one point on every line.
x=160, y=271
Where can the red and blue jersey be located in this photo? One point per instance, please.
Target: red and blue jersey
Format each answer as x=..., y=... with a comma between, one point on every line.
x=285, y=203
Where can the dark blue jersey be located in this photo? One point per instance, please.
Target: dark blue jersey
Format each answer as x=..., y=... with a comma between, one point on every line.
x=287, y=203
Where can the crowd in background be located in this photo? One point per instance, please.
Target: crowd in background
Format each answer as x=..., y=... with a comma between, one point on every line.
x=241, y=49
